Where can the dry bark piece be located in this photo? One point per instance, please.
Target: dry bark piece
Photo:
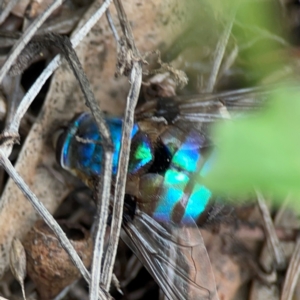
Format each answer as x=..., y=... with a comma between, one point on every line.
x=48, y=264
x=18, y=263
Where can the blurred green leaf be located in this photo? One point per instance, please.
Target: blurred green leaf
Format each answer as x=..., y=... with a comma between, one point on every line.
x=260, y=151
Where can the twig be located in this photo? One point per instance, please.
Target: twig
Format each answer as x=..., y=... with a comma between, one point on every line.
x=100, y=224
x=219, y=54
x=25, y=38
x=13, y=100
x=117, y=215
x=6, y=11
x=112, y=27
x=292, y=274
x=126, y=28
x=272, y=239
x=264, y=33
x=136, y=79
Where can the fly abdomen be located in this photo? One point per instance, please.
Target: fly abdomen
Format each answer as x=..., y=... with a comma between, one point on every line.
x=177, y=194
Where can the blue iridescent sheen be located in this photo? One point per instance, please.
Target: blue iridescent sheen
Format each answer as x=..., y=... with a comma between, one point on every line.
x=186, y=159
x=161, y=192
x=82, y=150
x=141, y=155
x=183, y=165
x=197, y=202
x=172, y=191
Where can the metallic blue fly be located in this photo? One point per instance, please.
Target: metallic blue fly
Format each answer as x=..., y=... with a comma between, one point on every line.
x=170, y=153
x=161, y=189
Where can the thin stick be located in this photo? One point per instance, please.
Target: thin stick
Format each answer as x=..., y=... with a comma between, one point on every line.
x=292, y=274
x=26, y=37
x=126, y=28
x=218, y=57
x=100, y=225
x=136, y=79
x=6, y=11
x=112, y=26
x=117, y=215
x=13, y=99
x=271, y=236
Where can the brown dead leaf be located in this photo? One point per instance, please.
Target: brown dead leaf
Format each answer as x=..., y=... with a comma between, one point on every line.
x=18, y=263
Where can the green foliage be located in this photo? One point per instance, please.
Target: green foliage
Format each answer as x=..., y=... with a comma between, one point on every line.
x=262, y=150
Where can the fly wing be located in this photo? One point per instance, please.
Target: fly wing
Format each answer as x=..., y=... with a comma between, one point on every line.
x=203, y=107
x=175, y=256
